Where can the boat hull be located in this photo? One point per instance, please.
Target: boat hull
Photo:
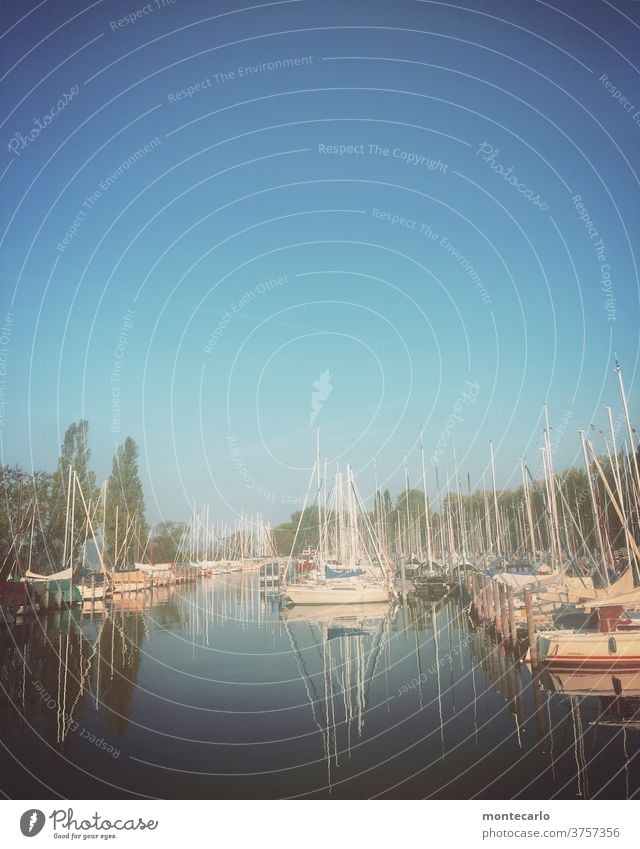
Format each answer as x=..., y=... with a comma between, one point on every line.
x=346, y=615
x=130, y=587
x=575, y=649
x=96, y=592
x=299, y=594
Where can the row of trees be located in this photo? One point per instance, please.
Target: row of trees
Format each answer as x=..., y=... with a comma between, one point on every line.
x=38, y=510
x=45, y=514
x=471, y=523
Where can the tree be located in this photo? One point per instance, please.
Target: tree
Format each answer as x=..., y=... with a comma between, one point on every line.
x=74, y=454
x=11, y=500
x=126, y=527
x=165, y=541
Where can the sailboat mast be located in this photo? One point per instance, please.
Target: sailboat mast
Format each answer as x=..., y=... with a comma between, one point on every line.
x=495, y=502
x=594, y=506
x=66, y=522
x=552, y=486
x=407, y=536
x=632, y=441
x=461, y=521
x=427, y=522
x=487, y=516
x=527, y=501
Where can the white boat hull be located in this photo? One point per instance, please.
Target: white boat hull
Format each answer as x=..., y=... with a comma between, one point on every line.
x=130, y=587
x=346, y=615
x=343, y=594
x=570, y=649
x=96, y=592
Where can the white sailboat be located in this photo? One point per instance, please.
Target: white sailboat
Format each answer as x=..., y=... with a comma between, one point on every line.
x=609, y=639
x=339, y=591
x=370, y=581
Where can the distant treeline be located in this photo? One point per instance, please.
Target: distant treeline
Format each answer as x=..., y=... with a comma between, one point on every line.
x=468, y=521
x=36, y=528
x=45, y=515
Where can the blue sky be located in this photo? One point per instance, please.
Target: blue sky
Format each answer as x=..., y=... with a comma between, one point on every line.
x=232, y=215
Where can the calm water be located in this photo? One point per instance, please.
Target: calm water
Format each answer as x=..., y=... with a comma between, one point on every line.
x=209, y=690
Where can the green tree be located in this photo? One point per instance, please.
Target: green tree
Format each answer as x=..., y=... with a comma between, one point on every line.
x=74, y=454
x=165, y=541
x=126, y=526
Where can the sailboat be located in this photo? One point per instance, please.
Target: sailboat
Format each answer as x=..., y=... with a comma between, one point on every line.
x=58, y=589
x=610, y=639
x=160, y=573
x=360, y=573
x=339, y=591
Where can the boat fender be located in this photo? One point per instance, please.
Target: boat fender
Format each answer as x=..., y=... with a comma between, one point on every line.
x=613, y=646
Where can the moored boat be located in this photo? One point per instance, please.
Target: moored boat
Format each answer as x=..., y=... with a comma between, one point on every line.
x=94, y=591
x=54, y=595
x=306, y=560
x=339, y=591
x=609, y=640
x=19, y=597
x=159, y=573
x=270, y=575
x=132, y=580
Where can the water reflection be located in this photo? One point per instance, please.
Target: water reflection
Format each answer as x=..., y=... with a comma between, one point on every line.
x=338, y=650
x=240, y=696
x=582, y=719
x=55, y=669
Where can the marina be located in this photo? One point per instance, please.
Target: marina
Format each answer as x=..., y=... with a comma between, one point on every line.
x=216, y=684
x=489, y=648
x=319, y=419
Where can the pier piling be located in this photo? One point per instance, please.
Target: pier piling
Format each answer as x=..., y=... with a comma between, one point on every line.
x=502, y=599
x=513, y=630
x=496, y=605
x=533, y=643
